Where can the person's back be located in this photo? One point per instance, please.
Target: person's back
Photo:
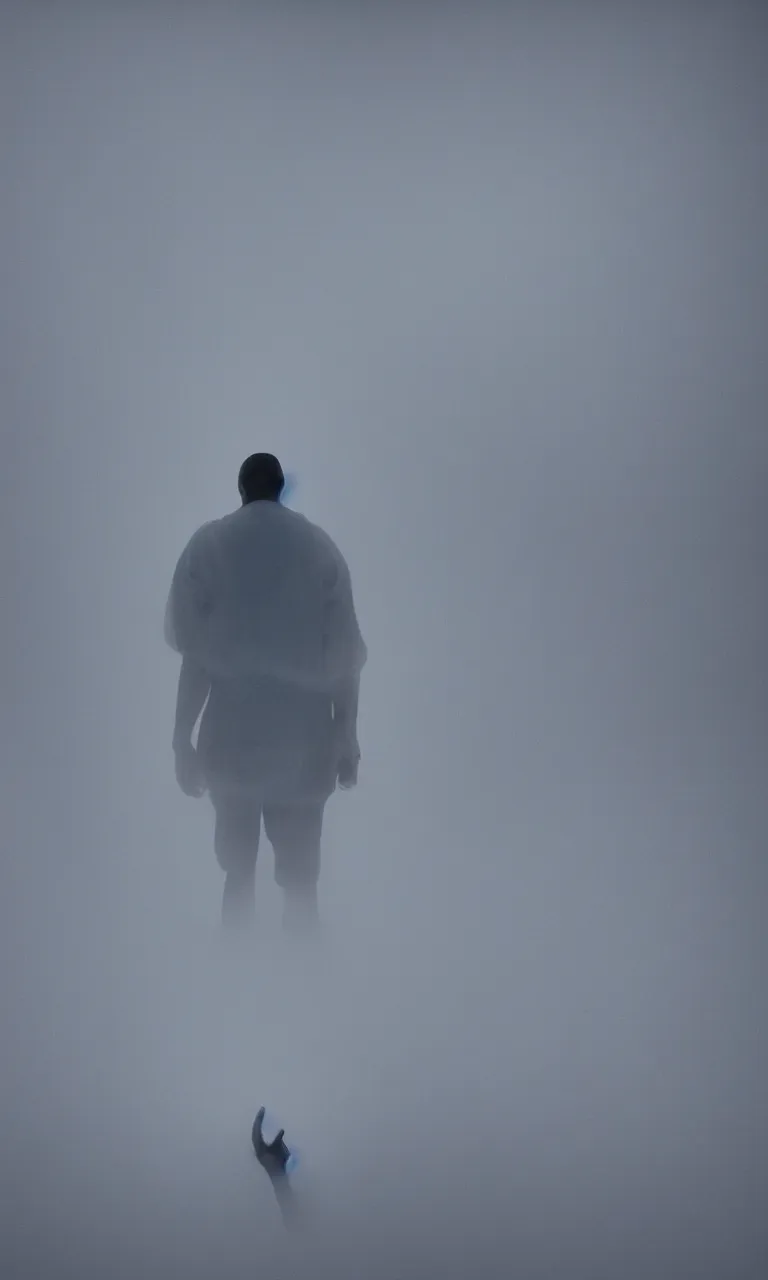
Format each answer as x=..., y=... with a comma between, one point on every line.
x=263, y=592
x=261, y=610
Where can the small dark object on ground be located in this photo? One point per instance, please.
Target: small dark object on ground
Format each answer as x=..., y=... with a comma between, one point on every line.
x=272, y=1156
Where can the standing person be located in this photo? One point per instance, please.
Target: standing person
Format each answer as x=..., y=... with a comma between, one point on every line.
x=262, y=613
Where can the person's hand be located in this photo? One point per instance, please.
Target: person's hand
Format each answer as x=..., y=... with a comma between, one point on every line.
x=189, y=773
x=272, y=1156
x=348, y=758
x=348, y=771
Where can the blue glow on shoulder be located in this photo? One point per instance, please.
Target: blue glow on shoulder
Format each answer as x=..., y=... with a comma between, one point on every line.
x=289, y=487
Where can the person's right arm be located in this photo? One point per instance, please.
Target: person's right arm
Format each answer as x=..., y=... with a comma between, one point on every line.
x=345, y=704
x=352, y=654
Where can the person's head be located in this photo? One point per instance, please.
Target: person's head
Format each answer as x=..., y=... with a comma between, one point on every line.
x=261, y=479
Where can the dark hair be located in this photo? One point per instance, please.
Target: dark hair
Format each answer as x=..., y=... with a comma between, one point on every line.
x=261, y=478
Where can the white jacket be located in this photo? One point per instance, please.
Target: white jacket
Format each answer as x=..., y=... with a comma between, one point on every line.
x=262, y=591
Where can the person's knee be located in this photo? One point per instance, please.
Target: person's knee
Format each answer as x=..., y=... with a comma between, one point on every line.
x=297, y=865
x=235, y=853
x=297, y=876
x=294, y=832
x=293, y=827
x=236, y=837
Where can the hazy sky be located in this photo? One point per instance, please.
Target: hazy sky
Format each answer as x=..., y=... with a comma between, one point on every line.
x=491, y=280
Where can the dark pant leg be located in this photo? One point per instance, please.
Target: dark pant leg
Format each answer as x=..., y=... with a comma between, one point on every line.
x=294, y=831
x=236, y=844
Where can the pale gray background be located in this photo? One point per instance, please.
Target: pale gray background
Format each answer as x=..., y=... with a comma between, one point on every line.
x=491, y=279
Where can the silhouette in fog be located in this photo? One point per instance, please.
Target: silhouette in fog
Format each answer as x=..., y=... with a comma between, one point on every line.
x=262, y=612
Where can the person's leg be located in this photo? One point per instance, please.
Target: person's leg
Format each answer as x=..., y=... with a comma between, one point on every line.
x=295, y=831
x=236, y=844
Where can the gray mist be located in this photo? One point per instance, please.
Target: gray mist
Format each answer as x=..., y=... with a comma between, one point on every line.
x=491, y=280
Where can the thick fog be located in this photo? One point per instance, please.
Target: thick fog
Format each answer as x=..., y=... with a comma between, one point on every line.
x=491, y=281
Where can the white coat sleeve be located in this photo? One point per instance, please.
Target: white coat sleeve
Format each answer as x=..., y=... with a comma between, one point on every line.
x=190, y=599
x=344, y=637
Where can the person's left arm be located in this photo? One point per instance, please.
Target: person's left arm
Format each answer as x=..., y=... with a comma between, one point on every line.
x=194, y=687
